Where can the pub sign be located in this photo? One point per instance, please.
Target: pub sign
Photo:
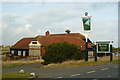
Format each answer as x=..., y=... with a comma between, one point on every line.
x=86, y=23
x=103, y=47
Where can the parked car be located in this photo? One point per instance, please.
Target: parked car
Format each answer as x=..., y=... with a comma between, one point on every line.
x=115, y=54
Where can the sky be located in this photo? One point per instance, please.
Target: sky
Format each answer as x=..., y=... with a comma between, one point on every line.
x=29, y=19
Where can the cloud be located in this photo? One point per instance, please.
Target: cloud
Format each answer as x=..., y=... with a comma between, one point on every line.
x=24, y=29
x=51, y=16
x=13, y=29
x=34, y=19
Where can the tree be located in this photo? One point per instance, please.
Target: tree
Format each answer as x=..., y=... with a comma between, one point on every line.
x=62, y=51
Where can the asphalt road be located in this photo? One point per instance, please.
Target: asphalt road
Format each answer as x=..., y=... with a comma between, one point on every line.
x=93, y=72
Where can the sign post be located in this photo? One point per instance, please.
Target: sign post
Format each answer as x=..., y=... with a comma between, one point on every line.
x=111, y=56
x=95, y=52
x=86, y=20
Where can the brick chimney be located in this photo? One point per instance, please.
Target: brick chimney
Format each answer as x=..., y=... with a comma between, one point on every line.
x=67, y=31
x=47, y=33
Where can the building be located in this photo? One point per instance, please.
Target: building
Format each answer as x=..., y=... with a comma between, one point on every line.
x=34, y=46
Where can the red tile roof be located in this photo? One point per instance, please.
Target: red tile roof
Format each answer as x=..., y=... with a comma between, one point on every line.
x=23, y=43
x=73, y=38
x=70, y=35
x=47, y=40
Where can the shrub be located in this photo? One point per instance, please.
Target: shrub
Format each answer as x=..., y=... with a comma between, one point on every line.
x=59, y=52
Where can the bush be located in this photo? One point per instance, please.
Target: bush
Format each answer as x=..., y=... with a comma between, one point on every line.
x=59, y=52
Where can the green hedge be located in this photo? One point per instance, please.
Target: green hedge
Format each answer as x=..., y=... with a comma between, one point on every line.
x=59, y=52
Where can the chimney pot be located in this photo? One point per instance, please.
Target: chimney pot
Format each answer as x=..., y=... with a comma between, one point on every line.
x=47, y=33
x=67, y=31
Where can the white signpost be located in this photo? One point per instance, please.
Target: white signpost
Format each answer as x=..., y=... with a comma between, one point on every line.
x=86, y=20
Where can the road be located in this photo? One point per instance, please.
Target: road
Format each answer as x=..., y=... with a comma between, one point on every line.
x=93, y=72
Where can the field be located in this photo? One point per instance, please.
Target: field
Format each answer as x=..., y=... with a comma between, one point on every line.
x=5, y=49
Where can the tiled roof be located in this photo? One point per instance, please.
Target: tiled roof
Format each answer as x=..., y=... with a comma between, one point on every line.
x=47, y=40
x=73, y=38
x=70, y=35
x=23, y=43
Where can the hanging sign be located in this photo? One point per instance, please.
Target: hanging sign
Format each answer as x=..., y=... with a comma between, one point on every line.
x=86, y=23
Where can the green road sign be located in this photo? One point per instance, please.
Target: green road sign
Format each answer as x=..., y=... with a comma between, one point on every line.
x=103, y=48
x=86, y=23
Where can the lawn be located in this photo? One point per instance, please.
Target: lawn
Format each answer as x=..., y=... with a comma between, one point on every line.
x=15, y=76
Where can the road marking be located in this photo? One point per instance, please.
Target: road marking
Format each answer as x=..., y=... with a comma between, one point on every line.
x=59, y=77
x=115, y=66
x=90, y=72
x=104, y=69
x=109, y=75
x=75, y=75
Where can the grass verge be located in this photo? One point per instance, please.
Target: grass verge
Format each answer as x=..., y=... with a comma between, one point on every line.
x=79, y=63
x=15, y=76
x=9, y=64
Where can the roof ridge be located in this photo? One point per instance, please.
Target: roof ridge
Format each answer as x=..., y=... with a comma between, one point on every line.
x=62, y=36
x=65, y=33
x=28, y=37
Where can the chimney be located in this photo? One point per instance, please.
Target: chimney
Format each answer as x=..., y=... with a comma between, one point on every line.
x=47, y=33
x=67, y=31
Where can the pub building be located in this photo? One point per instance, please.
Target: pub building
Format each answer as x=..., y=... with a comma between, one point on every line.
x=35, y=46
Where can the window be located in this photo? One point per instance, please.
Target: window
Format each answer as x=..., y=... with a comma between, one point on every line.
x=23, y=53
x=34, y=42
x=19, y=53
x=12, y=52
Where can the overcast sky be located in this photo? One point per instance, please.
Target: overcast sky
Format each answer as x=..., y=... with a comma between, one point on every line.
x=29, y=19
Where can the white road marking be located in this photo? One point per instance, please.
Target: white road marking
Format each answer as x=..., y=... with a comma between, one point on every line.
x=104, y=69
x=109, y=75
x=75, y=75
x=59, y=77
x=90, y=72
x=115, y=66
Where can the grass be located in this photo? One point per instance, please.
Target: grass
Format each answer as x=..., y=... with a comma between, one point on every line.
x=9, y=64
x=4, y=58
x=5, y=51
x=72, y=63
x=15, y=76
x=79, y=63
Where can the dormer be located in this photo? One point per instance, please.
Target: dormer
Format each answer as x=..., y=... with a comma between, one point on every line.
x=34, y=44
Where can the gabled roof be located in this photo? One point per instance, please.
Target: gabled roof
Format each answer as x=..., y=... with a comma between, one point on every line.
x=73, y=38
x=23, y=43
x=47, y=40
